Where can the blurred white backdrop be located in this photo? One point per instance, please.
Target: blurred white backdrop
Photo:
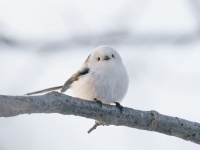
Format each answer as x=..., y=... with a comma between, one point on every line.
x=43, y=42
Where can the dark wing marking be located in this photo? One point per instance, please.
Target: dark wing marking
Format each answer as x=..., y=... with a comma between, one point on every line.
x=84, y=71
x=73, y=78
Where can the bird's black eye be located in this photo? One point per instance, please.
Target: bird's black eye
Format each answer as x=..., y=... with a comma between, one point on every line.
x=98, y=58
x=113, y=56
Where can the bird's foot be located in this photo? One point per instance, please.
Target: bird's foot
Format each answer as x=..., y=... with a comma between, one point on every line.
x=118, y=105
x=98, y=101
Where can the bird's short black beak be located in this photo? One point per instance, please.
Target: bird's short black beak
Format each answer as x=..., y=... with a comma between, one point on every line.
x=106, y=58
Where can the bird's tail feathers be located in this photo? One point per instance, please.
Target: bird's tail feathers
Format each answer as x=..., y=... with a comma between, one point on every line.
x=45, y=90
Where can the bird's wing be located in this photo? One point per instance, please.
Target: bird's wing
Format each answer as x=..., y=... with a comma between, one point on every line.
x=74, y=77
x=45, y=90
x=83, y=71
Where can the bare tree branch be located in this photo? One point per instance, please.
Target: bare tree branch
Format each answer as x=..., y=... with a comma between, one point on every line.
x=55, y=102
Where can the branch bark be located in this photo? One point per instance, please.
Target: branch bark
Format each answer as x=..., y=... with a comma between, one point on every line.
x=55, y=102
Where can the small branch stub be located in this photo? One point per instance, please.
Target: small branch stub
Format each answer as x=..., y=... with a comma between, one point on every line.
x=94, y=127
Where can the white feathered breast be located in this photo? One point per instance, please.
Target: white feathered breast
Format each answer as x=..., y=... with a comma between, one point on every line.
x=108, y=83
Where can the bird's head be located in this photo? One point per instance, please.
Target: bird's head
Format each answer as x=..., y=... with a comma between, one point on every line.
x=104, y=56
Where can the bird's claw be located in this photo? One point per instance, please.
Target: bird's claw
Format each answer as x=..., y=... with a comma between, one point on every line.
x=99, y=102
x=118, y=105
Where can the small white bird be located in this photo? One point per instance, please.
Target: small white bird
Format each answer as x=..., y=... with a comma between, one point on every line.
x=102, y=77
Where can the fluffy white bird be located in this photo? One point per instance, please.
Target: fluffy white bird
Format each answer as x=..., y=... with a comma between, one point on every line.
x=102, y=77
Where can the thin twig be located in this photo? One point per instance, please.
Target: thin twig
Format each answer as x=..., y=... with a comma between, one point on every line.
x=94, y=127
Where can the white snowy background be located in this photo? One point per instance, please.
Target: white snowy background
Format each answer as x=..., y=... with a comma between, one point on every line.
x=42, y=42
